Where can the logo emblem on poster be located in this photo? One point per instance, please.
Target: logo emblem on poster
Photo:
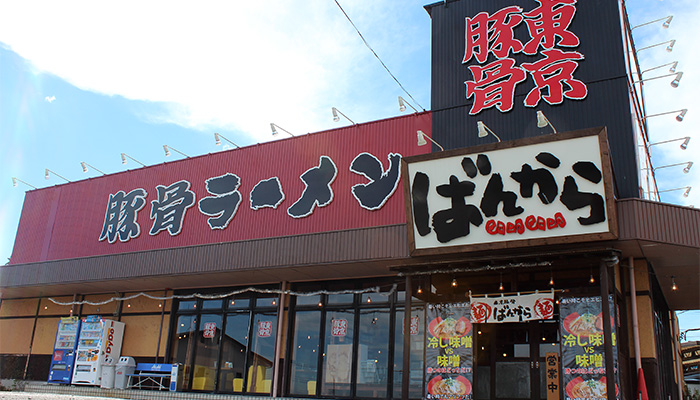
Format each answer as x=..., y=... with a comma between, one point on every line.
x=264, y=328
x=209, y=330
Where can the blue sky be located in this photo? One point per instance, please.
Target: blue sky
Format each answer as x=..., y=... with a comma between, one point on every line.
x=86, y=81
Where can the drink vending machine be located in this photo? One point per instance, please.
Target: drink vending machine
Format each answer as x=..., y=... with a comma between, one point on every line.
x=99, y=338
x=63, y=356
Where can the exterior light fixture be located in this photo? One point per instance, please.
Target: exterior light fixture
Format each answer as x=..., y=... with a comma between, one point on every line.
x=666, y=24
x=591, y=280
x=85, y=169
x=454, y=282
x=542, y=121
x=679, y=117
x=484, y=130
x=420, y=290
x=403, y=103
x=273, y=126
x=46, y=175
x=218, y=138
x=336, y=117
x=551, y=279
x=369, y=299
x=688, y=165
x=500, y=287
x=683, y=146
x=673, y=283
x=669, y=48
x=677, y=81
x=15, y=180
x=674, y=83
x=421, y=140
x=168, y=148
x=125, y=156
x=671, y=70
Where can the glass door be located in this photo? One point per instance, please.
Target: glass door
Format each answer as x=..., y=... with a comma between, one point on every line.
x=510, y=359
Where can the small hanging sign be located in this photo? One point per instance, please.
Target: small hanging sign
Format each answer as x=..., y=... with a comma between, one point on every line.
x=512, y=308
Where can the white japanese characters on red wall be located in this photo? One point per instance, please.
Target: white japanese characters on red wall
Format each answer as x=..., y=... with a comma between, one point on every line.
x=554, y=188
x=168, y=211
x=493, y=83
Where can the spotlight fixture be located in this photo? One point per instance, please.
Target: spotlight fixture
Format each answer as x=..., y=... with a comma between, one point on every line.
x=46, y=175
x=15, y=180
x=85, y=169
x=484, y=130
x=672, y=70
x=168, y=148
x=336, y=118
x=688, y=165
x=542, y=121
x=679, y=117
x=421, y=139
x=274, y=131
x=403, y=103
x=673, y=283
x=685, y=194
x=666, y=24
x=124, y=157
x=669, y=48
x=218, y=138
x=674, y=83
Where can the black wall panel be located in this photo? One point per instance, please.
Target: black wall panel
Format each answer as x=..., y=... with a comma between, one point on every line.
x=597, y=25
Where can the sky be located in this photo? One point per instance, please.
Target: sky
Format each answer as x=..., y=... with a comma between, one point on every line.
x=86, y=81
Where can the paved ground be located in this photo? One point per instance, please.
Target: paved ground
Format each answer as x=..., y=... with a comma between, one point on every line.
x=45, y=396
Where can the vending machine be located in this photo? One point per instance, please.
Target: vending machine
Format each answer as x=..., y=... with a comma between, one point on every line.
x=63, y=356
x=99, y=338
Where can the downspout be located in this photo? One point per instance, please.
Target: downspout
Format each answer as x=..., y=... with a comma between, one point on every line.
x=677, y=353
x=278, y=344
x=635, y=317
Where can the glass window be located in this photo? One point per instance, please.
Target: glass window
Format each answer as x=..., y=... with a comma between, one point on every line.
x=233, y=352
x=206, y=352
x=187, y=305
x=262, y=347
x=238, y=303
x=211, y=304
x=182, y=347
x=373, y=353
x=266, y=301
x=308, y=300
x=416, y=360
x=337, y=355
x=304, y=364
x=343, y=298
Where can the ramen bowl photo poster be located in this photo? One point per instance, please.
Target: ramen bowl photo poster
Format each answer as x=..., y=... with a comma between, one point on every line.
x=448, y=352
x=583, y=350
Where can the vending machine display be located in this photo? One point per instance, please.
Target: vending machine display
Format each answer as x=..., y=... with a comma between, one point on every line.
x=63, y=356
x=99, y=338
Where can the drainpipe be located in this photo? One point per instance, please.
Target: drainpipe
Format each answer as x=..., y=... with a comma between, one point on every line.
x=635, y=317
x=278, y=345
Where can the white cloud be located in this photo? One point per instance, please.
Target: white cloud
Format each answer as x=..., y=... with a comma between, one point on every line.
x=49, y=99
x=233, y=65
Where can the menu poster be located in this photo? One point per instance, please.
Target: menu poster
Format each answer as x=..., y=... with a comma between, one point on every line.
x=583, y=350
x=448, y=352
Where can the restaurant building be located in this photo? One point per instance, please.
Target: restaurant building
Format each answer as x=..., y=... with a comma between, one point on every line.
x=522, y=262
